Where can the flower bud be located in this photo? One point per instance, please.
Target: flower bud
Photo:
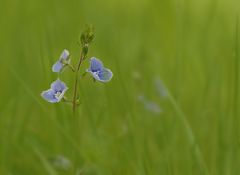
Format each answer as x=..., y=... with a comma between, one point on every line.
x=87, y=36
x=85, y=49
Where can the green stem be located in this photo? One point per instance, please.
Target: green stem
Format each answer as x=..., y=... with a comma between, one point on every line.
x=71, y=67
x=66, y=63
x=65, y=99
x=76, y=81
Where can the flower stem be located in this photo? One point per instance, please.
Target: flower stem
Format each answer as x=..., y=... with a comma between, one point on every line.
x=76, y=81
x=65, y=99
x=71, y=67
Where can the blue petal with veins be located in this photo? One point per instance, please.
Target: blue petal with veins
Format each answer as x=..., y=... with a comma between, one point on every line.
x=98, y=71
x=56, y=92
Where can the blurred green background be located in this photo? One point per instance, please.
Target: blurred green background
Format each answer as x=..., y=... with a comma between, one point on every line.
x=171, y=107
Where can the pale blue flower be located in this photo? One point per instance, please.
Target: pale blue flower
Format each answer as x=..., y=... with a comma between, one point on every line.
x=98, y=71
x=150, y=105
x=160, y=87
x=62, y=61
x=62, y=162
x=56, y=92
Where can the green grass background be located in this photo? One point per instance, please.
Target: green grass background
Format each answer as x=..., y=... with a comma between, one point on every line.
x=191, y=46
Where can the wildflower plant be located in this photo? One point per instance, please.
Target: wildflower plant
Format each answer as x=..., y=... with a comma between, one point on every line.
x=96, y=69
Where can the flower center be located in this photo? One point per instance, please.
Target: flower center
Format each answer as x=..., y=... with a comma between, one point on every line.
x=96, y=72
x=58, y=94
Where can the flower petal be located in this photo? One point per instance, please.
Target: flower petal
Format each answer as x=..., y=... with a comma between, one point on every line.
x=58, y=86
x=65, y=55
x=49, y=95
x=57, y=67
x=105, y=75
x=95, y=65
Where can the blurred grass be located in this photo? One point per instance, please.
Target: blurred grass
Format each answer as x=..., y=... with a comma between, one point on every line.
x=193, y=47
